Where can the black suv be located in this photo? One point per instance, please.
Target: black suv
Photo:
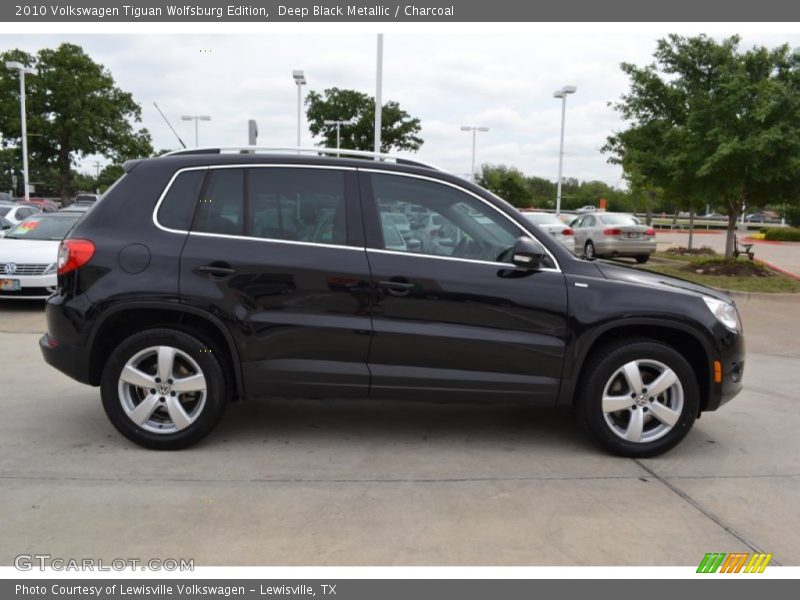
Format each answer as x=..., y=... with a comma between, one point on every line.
x=204, y=277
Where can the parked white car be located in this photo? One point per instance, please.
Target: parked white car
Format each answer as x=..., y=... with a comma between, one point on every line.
x=29, y=255
x=16, y=213
x=554, y=226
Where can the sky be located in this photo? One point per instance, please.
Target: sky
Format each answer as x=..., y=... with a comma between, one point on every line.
x=504, y=82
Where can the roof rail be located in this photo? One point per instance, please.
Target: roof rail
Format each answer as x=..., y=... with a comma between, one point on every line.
x=295, y=150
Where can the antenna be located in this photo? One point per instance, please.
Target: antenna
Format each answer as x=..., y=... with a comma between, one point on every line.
x=169, y=124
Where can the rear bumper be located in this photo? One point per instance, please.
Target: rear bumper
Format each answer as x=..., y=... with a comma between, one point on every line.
x=70, y=360
x=625, y=247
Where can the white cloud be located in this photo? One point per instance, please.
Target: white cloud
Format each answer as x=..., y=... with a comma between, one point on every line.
x=448, y=80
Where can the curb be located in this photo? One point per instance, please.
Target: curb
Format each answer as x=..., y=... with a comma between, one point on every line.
x=774, y=267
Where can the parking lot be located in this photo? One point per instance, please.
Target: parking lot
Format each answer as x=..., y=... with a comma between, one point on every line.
x=355, y=483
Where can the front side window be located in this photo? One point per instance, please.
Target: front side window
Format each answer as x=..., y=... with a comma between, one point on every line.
x=436, y=219
x=297, y=204
x=221, y=207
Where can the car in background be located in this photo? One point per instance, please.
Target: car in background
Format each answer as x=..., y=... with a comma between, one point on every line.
x=567, y=218
x=84, y=198
x=757, y=218
x=554, y=226
x=5, y=225
x=29, y=255
x=6, y=198
x=600, y=235
x=16, y=213
x=586, y=209
x=76, y=208
x=392, y=239
x=40, y=203
x=714, y=217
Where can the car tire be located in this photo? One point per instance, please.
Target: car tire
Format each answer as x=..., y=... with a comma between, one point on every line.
x=625, y=420
x=642, y=258
x=588, y=251
x=161, y=417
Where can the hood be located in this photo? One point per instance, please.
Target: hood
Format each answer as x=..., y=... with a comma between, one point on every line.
x=646, y=278
x=28, y=251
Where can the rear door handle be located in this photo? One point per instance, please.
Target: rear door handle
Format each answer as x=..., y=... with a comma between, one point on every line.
x=216, y=270
x=402, y=286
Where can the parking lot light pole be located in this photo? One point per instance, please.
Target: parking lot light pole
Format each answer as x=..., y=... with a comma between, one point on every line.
x=23, y=70
x=338, y=129
x=562, y=93
x=196, y=119
x=474, y=131
x=300, y=80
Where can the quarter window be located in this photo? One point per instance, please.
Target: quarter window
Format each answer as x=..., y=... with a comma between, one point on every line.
x=306, y=205
x=423, y=217
x=177, y=206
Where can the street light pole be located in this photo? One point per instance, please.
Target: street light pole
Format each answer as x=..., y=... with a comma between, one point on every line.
x=379, y=95
x=300, y=80
x=474, y=131
x=196, y=119
x=22, y=70
x=338, y=129
x=562, y=93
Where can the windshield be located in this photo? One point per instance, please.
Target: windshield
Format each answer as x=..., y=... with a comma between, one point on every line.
x=620, y=220
x=44, y=227
x=543, y=218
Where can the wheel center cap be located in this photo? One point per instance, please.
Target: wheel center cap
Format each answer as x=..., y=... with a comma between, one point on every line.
x=642, y=400
x=163, y=388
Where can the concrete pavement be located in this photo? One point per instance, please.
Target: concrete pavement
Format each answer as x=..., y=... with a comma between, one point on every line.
x=357, y=483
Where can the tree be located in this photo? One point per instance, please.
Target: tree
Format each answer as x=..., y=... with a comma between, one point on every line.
x=709, y=122
x=398, y=129
x=508, y=183
x=74, y=109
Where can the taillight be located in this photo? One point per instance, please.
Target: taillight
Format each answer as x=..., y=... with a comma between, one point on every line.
x=567, y=231
x=613, y=231
x=651, y=232
x=73, y=254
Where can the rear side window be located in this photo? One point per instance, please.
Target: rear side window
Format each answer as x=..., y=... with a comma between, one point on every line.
x=177, y=207
x=221, y=209
x=306, y=205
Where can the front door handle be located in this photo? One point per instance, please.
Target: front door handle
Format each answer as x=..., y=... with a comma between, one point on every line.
x=399, y=287
x=216, y=270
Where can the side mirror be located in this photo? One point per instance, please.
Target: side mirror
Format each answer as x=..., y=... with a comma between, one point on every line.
x=527, y=253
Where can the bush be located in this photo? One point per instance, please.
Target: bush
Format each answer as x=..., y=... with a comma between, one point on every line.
x=783, y=234
x=793, y=216
x=682, y=251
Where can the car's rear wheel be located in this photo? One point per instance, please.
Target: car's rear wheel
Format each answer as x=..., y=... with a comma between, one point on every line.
x=588, y=250
x=638, y=398
x=642, y=258
x=163, y=389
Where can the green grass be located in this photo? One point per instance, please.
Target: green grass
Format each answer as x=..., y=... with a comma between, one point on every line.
x=776, y=284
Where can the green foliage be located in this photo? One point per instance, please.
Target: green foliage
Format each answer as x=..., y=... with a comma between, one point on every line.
x=398, y=129
x=782, y=234
x=535, y=192
x=712, y=124
x=74, y=109
x=792, y=215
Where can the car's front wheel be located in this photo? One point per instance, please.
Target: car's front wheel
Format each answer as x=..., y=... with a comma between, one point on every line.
x=638, y=398
x=163, y=389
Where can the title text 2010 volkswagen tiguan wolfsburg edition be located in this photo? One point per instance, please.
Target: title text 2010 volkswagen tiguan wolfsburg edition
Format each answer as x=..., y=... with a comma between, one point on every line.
x=208, y=276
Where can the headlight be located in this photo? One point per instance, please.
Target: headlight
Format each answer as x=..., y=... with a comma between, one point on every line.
x=50, y=269
x=726, y=313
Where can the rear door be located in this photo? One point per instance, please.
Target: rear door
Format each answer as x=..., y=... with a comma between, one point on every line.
x=451, y=318
x=277, y=253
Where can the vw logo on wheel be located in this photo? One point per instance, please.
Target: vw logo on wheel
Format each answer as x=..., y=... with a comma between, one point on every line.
x=10, y=268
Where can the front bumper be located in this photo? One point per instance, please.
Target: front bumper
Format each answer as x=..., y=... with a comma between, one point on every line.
x=732, y=359
x=32, y=287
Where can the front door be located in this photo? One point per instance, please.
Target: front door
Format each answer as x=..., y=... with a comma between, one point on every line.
x=450, y=313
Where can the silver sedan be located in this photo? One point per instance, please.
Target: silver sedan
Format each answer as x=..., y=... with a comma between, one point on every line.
x=603, y=234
